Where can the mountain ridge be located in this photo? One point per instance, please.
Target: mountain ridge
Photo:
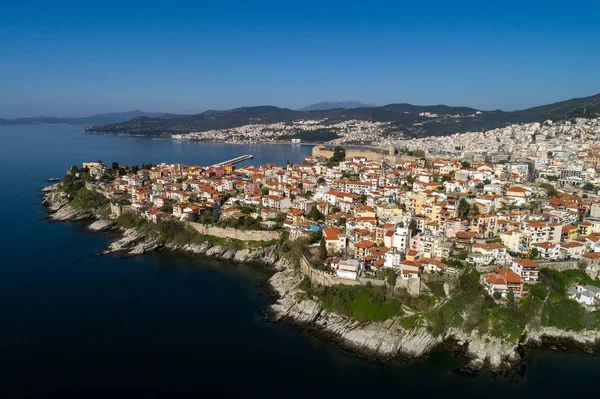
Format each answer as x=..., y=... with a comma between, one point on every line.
x=343, y=104
x=410, y=120
x=96, y=119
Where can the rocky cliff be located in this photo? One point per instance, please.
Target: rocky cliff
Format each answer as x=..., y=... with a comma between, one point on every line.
x=57, y=203
x=384, y=339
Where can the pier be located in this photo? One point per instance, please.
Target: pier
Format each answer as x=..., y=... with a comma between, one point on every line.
x=233, y=161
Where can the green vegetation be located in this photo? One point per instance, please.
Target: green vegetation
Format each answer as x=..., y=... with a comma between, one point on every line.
x=416, y=153
x=71, y=184
x=559, y=311
x=464, y=209
x=88, y=200
x=314, y=214
x=293, y=249
x=437, y=288
x=550, y=190
x=467, y=293
x=167, y=208
x=360, y=302
x=566, y=314
x=242, y=223
x=339, y=155
x=534, y=253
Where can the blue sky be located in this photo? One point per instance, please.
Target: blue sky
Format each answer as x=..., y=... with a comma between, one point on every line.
x=79, y=58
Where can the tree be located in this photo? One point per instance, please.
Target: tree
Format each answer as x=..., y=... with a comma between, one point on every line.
x=589, y=186
x=416, y=153
x=510, y=296
x=264, y=191
x=166, y=208
x=550, y=190
x=534, y=253
x=107, y=177
x=474, y=210
x=314, y=214
x=465, y=164
x=390, y=279
x=463, y=208
x=339, y=155
x=497, y=295
x=316, y=237
x=412, y=226
x=321, y=180
x=322, y=248
x=582, y=265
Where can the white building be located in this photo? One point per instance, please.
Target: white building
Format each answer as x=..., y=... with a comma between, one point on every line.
x=348, y=269
x=401, y=239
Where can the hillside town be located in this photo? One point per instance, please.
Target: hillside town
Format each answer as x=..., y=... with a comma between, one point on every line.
x=346, y=132
x=361, y=216
x=548, y=145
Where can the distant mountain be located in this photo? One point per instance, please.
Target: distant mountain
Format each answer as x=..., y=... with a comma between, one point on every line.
x=325, y=105
x=98, y=119
x=409, y=120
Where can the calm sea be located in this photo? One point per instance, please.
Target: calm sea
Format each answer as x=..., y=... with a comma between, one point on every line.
x=77, y=325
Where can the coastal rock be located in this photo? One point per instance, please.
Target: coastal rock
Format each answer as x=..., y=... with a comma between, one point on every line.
x=67, y=212
x=383, y=339
x=587, y=339
x=127, y=243
x=142, y=248
x=101, y=225
x=50, y=188
x=216, y=251
x=55, y=200
x=485, y=350
x=57, y=203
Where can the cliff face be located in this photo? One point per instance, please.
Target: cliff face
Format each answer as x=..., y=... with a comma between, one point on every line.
x=57, y=203
x=588, y=340
x=383, y=339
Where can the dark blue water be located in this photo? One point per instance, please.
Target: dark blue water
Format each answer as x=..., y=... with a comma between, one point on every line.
x=77, y=325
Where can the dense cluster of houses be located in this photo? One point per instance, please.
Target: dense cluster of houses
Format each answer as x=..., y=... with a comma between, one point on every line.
x=414, y=216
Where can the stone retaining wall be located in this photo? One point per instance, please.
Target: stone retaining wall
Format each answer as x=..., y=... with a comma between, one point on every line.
x=318, y=151
x=243, y=235
x=560, y=266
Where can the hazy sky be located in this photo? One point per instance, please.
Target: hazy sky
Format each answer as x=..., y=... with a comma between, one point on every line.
x=79, y=58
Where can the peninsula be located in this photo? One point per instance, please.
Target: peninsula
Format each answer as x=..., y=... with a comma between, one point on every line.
x=390, y=255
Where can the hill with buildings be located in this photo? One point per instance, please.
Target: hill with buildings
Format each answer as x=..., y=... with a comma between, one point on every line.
x=407, y=119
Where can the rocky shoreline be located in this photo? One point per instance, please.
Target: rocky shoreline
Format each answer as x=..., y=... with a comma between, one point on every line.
x=377, y=340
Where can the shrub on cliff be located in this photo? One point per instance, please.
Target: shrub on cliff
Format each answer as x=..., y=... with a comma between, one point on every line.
x=88, y=199
x=360, y=302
